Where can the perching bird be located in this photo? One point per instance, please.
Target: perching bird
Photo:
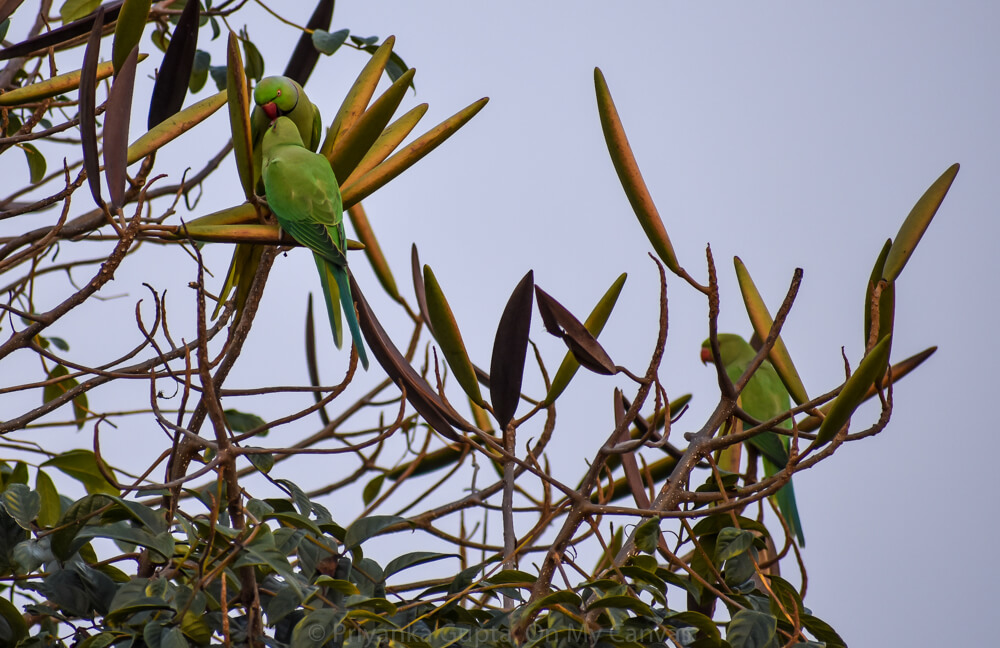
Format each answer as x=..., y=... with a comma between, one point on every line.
x=763, y=398
x=274, y=96
x=303, y=194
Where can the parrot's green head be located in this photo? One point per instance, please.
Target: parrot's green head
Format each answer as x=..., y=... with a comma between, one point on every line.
x=276, y=96
x=731, y=346
x=282, y=131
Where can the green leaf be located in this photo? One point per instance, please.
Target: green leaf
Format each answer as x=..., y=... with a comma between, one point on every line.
x=368, y=527
x=173, y=638
x=338, y=585
x=163, y=543
x=316, y=628
x=447, y=636
x=328, y=43
x=750, y=629
x=102, y=640
x=16, y=625
x=75, y=9
x=706, y=627
x=731, y=543
x=647, y=535
x=81, y=465
x=254, y=61
x=412, y=559
x=242, y=422
x=622, y=602
x=262, y=461
x=823, y=631
x=916, y=224
x=716, y=523
x=4, y=26
x=219, y=75
x=76, y=516
x=512, y=577
x=36, y=162
x=51, y=506
x=57, y=389
x=372, y=489
x=22, y=503
x=199, y=70
x=59, y=343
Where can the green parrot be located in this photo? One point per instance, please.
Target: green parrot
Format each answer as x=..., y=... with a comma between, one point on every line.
x=274, y=96
x=763, y=398
x=303, y=194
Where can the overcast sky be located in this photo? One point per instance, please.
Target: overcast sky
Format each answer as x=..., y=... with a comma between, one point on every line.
x=793, y=134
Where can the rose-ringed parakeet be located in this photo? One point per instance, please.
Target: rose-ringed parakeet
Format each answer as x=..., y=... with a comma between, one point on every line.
x=274, y=96
x=763, y=398
x=303, y=194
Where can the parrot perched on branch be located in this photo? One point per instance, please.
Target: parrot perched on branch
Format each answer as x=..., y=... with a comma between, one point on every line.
x=303, y=194
x=274, y=96
x=763, y=398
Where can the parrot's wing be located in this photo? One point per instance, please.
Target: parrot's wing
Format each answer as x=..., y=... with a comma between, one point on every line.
x=317, y=130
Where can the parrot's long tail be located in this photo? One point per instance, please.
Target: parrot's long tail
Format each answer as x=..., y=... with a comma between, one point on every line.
x=344, y=286
x=331, y=294
x=785, y=498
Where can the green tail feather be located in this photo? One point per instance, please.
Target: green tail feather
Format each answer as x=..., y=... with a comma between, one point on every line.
x=331, y=293
x=340, y=274
x=785, y=497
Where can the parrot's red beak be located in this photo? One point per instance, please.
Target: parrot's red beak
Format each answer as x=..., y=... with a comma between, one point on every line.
x=271, y=110
x=706, y=355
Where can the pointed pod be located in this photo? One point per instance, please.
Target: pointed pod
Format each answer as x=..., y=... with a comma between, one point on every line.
x=581, y=343
x=656, y=472
x=238, y=100
x=409, y=155
x=887, y=298
x=7, y=8
x=510, y=348
x=916, y=224
x=128, y=30
x=386, y=143
x=358, y=96
x=37, y=44
x=631, y=465
x=359, y=221
x=171, y=83
x=594, y=324
x=449, y=337
x=428, y=404
x=419, y=289
x=352, y=145
x=762, y=323
x=630, y=176
x=312, y=363
x=872, y=368
x=174, y=126
x=117, y=115
x=305, y=55
x=88, y=108
x=238, y=215
x=899, y=370
x=57, y=85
